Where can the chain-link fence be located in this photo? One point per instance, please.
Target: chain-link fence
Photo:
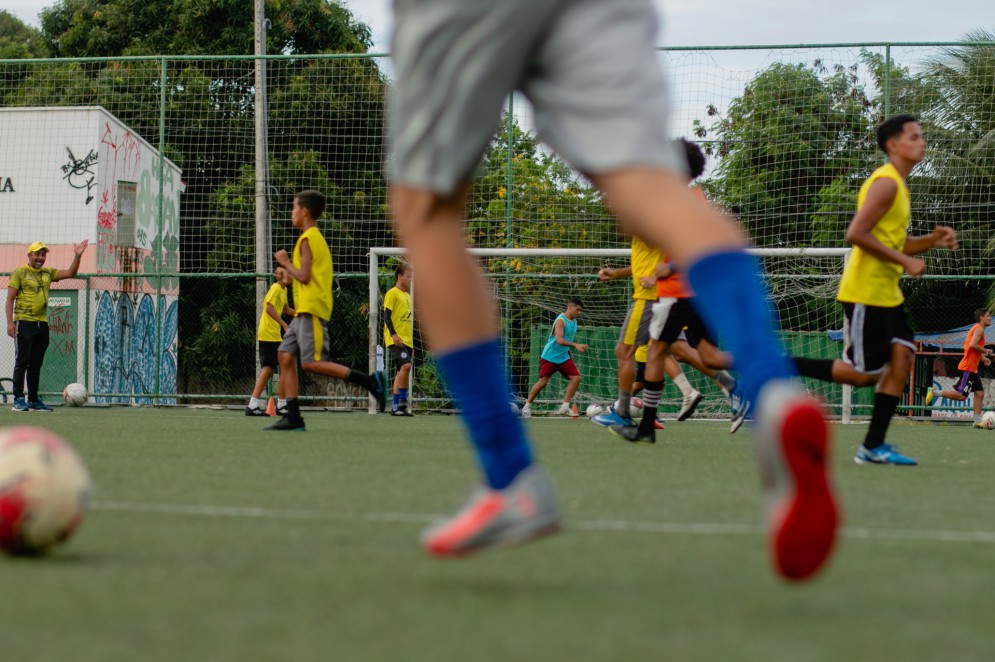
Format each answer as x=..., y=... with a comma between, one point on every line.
x=152, y=160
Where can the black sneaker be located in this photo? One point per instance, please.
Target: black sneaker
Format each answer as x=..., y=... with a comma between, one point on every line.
x=380, y=390
x=282, y=411
x=401, y=412
x=255, y=411
x=287, y=423
x=631, y=434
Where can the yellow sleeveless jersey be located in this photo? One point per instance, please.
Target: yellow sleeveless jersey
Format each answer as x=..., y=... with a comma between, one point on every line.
x=644, y=260
x=866, y=279
x=314, y=297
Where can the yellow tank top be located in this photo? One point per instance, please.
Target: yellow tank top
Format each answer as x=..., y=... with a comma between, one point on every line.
x=644, y=260
x=314, y=297
x=867, y=279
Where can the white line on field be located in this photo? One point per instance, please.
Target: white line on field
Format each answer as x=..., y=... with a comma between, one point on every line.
x=622, y=526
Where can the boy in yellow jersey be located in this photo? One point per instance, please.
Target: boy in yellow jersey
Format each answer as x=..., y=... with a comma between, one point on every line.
x=307, y=336
x=398, y=335
x=269, y=337
x=27, y=320
x=975, y=352
x=881, y=346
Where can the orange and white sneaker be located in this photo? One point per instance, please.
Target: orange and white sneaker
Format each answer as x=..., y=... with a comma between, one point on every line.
x=791, y=439
x=523, y=511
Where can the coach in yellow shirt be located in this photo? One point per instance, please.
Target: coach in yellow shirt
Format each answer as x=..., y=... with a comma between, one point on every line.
x=399, y=335
x=27, y=320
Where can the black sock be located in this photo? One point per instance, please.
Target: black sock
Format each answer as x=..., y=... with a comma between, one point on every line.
x=651, y=401
x=293, y=409
x=821, y=369
x=361, y=379
x=884, y=408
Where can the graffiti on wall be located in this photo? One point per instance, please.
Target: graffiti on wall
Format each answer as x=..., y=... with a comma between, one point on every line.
x=123, y=159
x=79, y=172
x=127, y=350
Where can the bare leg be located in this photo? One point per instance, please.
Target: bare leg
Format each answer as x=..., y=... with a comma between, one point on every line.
x=537, y=389
x=572, y=386
x=288, y=374
x=264, y=375
x=401, y=379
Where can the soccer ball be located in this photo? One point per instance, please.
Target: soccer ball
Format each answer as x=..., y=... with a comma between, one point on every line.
x=74, y=395
x=988, y=420
x=43, y=490
x=594, y=409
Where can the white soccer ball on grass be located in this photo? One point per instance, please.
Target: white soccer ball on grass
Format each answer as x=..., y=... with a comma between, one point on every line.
x=75, y=395
x=988, y=420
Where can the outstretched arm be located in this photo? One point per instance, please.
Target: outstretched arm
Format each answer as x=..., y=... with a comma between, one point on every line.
x=74, y=267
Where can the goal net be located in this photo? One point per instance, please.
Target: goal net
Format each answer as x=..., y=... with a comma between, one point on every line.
x=532, y=286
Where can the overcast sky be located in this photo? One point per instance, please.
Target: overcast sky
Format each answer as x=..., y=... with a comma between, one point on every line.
x=746, y=22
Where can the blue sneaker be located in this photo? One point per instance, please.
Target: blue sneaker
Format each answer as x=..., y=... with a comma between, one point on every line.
x=740, y=408
x=610, y=418
x=38, y=405
x=19, y=405
x=883, y=454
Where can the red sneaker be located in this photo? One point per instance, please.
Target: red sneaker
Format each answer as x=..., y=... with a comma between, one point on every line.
x=792, y=443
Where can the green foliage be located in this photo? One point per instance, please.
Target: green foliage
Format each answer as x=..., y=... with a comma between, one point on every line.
x=563, y=208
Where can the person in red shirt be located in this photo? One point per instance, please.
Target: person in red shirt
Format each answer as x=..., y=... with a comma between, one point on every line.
x=975, y=352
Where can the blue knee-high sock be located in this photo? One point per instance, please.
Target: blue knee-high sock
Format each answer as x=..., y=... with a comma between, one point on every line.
x=476, y=377
x=402, y=394
x=732, y=299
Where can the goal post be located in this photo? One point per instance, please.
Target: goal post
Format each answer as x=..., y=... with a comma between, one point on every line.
x=532, y=286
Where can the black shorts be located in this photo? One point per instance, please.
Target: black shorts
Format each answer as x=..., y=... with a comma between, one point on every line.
x=268, y=354
x=969, y=382
x=873, y=330
x=400, y=355
x=672, y=316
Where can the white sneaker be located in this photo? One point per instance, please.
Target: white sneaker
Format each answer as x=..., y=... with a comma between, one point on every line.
x=526, y=410
x=690, y=403
x=565, y=410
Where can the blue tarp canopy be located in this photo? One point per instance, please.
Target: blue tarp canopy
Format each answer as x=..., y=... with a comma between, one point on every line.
x=954, y=337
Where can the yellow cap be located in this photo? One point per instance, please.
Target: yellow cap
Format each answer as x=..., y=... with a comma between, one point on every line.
x=37, y=246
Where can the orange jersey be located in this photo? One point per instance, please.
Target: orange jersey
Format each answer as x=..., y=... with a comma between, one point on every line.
x=972, y=357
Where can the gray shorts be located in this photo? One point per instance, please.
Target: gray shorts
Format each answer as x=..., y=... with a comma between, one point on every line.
x=589, y=67
x=307, y=338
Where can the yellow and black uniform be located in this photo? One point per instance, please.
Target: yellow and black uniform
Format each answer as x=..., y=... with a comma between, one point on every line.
x=307, y=336
x=270, y=333
x=31, y=321
x=872, y=300
x=398, y=319
x=636, y=327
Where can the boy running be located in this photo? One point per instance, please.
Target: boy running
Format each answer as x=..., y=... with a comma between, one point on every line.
x=556, y=358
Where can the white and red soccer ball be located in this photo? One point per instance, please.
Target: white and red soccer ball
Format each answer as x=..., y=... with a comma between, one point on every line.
x=44, y=488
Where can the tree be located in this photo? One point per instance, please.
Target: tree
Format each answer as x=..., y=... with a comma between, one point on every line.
x=786, y=147
x=317, y=109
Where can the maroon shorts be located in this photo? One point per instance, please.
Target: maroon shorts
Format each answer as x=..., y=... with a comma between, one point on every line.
x=568, y=368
